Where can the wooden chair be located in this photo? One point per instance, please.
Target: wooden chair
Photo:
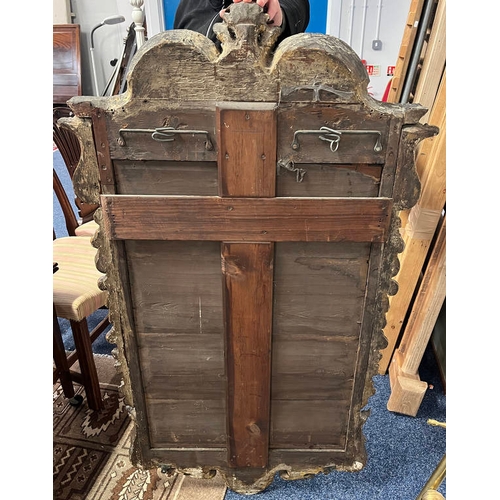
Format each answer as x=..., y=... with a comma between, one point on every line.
x=76, y=295
x=69, y=147
x=73, y=226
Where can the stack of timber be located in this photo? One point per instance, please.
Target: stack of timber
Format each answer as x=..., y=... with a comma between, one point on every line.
x=421, y=277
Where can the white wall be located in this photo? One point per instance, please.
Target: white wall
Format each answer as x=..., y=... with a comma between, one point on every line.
x=61, y=12
x=359, y=22
x=109, y=39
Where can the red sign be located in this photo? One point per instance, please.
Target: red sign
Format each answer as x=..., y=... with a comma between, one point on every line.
x=390, y=70
x=372, y=70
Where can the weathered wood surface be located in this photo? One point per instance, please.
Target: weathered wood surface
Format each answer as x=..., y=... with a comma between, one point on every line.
x=249, y=238
x=419, y=225
x=247, y=156
x=220, y=219
x=407, y=390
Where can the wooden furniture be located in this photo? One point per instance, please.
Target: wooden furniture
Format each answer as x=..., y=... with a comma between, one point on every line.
x=70, y=149
x=249, y=236
x=73, y=226
x=67, y=78
x=66, y=84
x=419, y=224
x=407, y=390
x=76, y=295
x=61, y=366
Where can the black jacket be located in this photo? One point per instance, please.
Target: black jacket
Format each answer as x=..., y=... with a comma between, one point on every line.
x=201, y=15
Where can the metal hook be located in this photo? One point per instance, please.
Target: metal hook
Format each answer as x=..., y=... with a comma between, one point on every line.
x=160, y=134
x=333, y=137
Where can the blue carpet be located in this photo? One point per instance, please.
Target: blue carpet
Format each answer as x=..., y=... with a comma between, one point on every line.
x=402, y=451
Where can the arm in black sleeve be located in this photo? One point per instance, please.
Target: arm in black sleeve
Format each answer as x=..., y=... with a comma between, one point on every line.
x=201, y=15
x=296, y=16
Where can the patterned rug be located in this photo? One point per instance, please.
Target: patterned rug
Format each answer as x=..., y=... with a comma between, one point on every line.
x=91, y=453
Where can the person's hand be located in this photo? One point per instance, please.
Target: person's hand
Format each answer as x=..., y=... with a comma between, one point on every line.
x=273, y=10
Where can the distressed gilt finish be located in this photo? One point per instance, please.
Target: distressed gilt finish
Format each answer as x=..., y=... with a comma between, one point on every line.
x=151, y=190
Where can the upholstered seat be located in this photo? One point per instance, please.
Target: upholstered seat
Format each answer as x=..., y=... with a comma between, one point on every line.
x=87, y=228
x=76, y=295
x=76, y=291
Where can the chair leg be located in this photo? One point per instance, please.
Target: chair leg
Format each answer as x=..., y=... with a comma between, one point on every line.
x=61, y=361
x=87, y=365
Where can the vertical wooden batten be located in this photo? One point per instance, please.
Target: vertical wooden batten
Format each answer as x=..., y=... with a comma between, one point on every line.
x=420, y=223
x=246, y=135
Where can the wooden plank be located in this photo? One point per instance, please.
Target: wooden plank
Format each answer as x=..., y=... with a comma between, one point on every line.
x=166, y=178
x=329, y=180
x=434, y=62
x=247, y=149
x=319, y=289
x=187, y=423
x=309, y=424
x=407, y=391
x=176, y=287
x=420, y=228
x=248, y=283
x=246, y=219
x=246, y=135
x=296, y=144
x=426, y=308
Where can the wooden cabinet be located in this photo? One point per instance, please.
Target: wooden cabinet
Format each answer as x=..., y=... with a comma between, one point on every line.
x=67, y=78
x=249, y=236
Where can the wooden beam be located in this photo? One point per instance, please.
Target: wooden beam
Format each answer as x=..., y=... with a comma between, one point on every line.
x=227, y=219
x=420, y=226
x=434, y=62
x=407, y=391
x=248, y=291
x=246, y=134
x=426, y=309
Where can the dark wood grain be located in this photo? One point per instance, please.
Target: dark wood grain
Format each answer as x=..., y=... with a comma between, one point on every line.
x=358, y=148
x=66, y=61
x=246, y=135
x=248, y=283
x=227, y=219
x=247, y=149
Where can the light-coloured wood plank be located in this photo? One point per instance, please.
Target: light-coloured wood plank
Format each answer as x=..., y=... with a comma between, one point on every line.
x=434, y=62
x=426, y=309
x=407, y=390
x=419, y=225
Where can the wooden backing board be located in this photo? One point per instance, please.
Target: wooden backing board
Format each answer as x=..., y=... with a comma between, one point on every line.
x=249, y=251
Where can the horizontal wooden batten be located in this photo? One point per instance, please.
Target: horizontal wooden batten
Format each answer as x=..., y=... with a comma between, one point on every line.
x=245, y=219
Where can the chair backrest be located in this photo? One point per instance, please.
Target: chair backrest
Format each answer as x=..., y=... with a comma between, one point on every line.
x=70, y=149
x=70, y=219
x=65, y=140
